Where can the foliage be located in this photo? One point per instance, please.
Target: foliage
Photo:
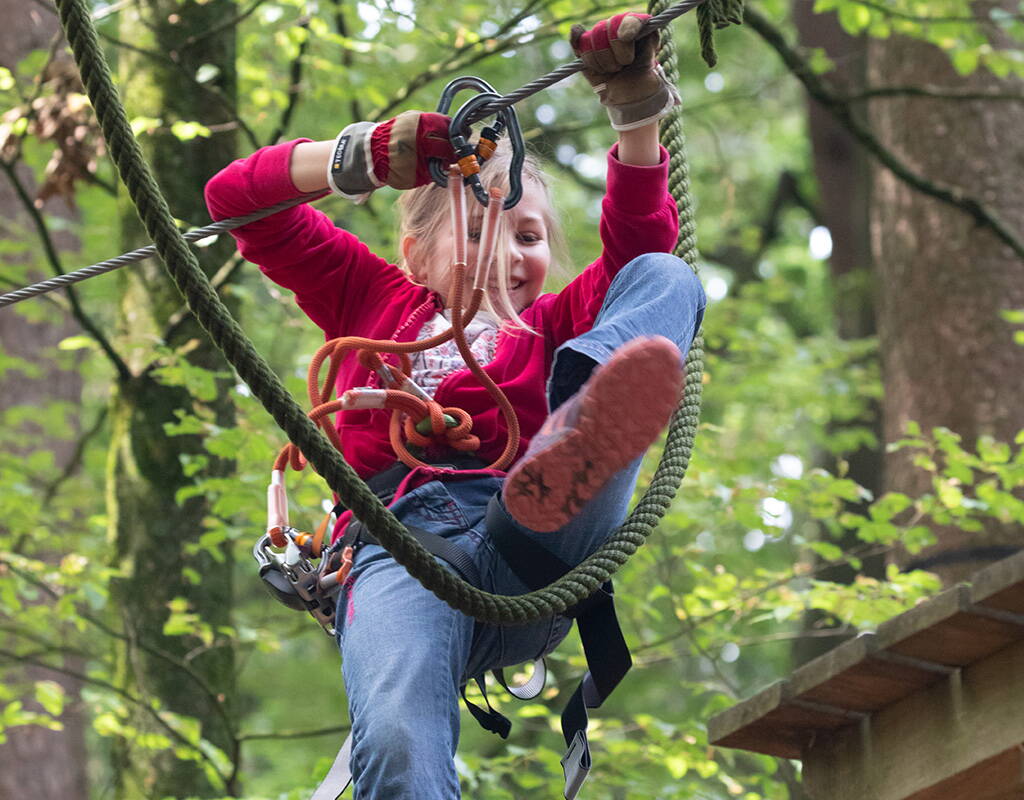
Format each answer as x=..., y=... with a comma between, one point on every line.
x=710, y=605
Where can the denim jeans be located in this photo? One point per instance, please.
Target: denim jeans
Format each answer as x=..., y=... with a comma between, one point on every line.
x=405, y=653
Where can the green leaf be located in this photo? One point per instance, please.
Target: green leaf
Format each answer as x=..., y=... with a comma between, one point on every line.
x=949, y=494
x=965, y=61
x=827, y=550
x=50, y=695
x=820, y=64
x=854, y=17
x=186, y=131
x=78, y=342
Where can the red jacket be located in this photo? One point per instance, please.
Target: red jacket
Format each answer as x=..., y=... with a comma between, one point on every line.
x=349, y=291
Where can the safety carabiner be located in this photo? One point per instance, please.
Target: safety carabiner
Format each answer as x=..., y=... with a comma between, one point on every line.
x=470, y=158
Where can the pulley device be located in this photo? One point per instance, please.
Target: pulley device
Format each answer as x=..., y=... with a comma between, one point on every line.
x=294, y=566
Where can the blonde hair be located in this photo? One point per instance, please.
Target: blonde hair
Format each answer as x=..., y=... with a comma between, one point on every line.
x=425, y=211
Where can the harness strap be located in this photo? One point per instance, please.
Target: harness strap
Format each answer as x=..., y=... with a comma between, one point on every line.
x=457, y=558
x=490, y=720
x=608, y=658
x=339, y=776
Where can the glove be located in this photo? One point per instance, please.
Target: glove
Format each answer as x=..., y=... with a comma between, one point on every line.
x=623, y=70
x=368, y=155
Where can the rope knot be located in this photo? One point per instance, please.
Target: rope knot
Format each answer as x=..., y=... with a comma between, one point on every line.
x=450, y=426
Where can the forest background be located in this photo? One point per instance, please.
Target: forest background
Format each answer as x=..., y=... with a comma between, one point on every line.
x=856, y=168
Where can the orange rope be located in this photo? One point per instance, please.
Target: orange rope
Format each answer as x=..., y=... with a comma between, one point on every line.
x=408, y=409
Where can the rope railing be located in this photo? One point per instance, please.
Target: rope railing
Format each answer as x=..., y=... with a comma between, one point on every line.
x=228, y=336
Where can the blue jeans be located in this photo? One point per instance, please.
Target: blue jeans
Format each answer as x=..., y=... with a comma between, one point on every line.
x=405, y=653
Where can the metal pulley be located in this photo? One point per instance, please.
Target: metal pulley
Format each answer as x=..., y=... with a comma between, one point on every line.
x=294, y=580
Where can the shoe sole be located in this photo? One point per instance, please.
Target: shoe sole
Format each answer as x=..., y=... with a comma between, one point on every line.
x=638, y=388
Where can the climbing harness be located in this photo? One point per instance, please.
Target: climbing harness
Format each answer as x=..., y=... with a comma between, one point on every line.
x=578, y=583
x=295, y=580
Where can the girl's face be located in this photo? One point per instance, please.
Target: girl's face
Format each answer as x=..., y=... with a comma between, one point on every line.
x=529, y=250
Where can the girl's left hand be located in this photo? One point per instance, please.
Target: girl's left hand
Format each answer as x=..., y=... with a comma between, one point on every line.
x=622, y=68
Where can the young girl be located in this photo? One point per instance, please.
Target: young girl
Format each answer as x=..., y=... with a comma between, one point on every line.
x=593, y=372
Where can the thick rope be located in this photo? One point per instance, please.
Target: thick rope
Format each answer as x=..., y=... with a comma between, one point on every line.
x=204, y=303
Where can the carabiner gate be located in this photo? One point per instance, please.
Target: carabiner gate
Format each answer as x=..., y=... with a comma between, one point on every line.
x=468, y=157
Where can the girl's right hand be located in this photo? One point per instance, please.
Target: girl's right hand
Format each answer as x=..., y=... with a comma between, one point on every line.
x=621, y=66
x=369, y=155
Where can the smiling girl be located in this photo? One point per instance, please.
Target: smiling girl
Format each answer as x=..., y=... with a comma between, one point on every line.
x=593, y=371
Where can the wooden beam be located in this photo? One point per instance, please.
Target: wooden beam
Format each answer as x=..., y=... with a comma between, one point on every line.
x=953, y=740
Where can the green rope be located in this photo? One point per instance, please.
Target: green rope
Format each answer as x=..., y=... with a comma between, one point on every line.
x=713, y=14
x=204, y=303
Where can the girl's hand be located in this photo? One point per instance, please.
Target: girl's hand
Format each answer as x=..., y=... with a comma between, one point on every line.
x=623, y=70
x=369, y=155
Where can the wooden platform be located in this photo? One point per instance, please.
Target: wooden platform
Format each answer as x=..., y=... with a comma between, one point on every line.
x=929, y=707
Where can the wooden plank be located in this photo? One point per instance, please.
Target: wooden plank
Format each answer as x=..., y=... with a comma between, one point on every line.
x=872, y=672
x=769, y=723
x=858, y=677
x=945, y=631
x=927, y=739
x=998, y=778
x=1001, y=585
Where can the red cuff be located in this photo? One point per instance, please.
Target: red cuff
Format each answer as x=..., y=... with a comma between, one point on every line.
x=642, y=190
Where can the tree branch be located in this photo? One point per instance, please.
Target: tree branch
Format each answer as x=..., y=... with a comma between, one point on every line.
x=219, y=280
x=151, y=649
x=474, y=52
x=294, y=79
x=252, y=737
x=168, y=61
x=891, y=12
x=834, y=103
x=76, y=457
x=223, y=26
x=84, y=678
x=936, y=92
x=347, y=59
x=77, y=312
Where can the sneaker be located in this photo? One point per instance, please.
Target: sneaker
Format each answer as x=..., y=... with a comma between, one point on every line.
x=615, y=417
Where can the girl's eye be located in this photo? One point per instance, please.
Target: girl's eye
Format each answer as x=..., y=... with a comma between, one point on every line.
x=528, y=238
x=473, y=236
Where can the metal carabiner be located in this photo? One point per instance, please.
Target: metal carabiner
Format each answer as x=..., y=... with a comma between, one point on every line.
x=438, y=169
x=470, y=157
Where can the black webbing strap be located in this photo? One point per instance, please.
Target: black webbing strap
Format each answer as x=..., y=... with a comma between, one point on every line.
x=490, y=720
x=457, y=558
x=608, y=658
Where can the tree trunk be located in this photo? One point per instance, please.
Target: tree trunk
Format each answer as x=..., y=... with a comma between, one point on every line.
x=948, y=356
x=152, y=530
x=843, y=179
x=34, y=761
